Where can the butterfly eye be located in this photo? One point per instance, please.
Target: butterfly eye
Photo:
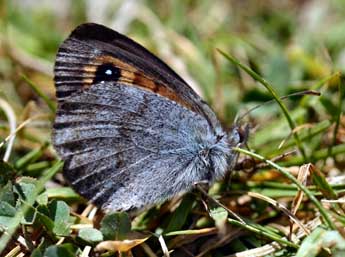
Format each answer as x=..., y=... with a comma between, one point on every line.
x=107, y=72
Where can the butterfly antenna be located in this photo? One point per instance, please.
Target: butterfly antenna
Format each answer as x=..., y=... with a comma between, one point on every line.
x=301, y=93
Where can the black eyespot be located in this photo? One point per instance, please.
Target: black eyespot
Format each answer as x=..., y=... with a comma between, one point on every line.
x=107, y=72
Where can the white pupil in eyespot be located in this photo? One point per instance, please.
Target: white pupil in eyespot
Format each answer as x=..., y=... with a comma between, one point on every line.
x=108, y=72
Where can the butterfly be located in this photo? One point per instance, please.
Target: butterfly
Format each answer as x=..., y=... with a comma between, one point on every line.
x=130, y=131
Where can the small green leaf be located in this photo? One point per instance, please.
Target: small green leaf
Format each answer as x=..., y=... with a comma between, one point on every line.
x=65, y=250
x=42, y=199
x=219, y=215
x=320, y=238
x=26, y=191
x=115, y=226
x=90, y=235
x=7, y=212
x=60, y=214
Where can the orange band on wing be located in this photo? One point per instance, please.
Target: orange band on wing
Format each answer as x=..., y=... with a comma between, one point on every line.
x=132, y=77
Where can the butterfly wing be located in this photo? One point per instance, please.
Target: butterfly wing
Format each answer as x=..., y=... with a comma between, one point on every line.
x=126, y=146
x=91, y=45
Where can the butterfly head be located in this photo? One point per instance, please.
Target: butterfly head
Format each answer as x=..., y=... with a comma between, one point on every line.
x=236, y=137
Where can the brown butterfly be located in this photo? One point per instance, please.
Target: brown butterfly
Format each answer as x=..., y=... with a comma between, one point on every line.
x=132, y=133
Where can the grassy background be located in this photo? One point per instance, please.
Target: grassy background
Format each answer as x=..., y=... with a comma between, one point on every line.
x=293, y=45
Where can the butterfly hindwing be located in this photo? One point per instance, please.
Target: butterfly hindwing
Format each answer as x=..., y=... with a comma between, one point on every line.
x=127, y=148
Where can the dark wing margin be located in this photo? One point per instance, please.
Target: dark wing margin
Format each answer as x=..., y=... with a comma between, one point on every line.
x=96, y=32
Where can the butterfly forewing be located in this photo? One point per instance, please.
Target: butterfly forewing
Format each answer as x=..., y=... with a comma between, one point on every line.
x=91, y=45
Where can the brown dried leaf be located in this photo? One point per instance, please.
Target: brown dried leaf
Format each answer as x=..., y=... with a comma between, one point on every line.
x=121, y=245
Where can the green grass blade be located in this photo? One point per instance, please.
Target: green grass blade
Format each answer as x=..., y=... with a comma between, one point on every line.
x=262, y=231
x=338, y=114
x=287, y=174
x=257, y=77
x=51, y=104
